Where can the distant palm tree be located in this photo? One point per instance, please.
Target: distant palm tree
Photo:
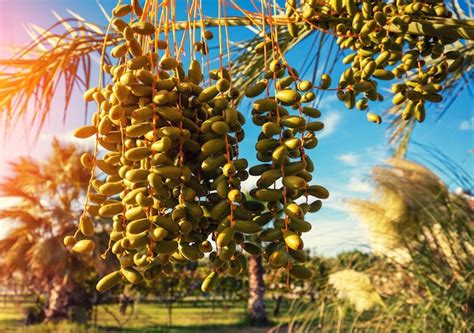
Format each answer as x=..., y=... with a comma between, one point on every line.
x=256, y=309
x=256, y=301
x=48, y=197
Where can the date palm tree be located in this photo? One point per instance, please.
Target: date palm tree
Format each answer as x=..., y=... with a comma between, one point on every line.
x=47, y=200
x=64, y=53
x=256, y=301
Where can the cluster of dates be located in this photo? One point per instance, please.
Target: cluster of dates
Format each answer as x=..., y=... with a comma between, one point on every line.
x=171, y=176
x=285, y=174
x=385, y=44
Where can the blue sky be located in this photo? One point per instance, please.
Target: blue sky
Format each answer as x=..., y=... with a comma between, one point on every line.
x=348, y=147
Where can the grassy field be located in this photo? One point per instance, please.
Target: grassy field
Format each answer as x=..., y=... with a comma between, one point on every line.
x=187, y=316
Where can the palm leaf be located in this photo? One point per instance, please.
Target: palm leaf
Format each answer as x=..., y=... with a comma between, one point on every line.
x=62, y=53
x=48, y=202
x=19, y=214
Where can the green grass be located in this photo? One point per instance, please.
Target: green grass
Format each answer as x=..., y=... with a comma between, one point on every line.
x=187, y=316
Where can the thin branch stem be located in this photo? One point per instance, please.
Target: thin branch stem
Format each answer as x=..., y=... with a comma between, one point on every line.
x=431, y=26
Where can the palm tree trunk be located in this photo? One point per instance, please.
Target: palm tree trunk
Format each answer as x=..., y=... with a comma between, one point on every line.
x=255, y=304
x=59, y=302
x=276, y=306
x=169, y=306
x=67, y=301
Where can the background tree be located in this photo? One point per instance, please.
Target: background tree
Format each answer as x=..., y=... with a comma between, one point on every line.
x=256, y=308
x=256, y=301
x=171, y=289
x=48, y=198
x=231, y=289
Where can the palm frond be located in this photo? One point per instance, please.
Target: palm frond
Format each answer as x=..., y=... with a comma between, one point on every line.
x=48, y=202
x=19, y=214
x=48, y=258
x=247, y=65
x=61, y=57
x=63, y=53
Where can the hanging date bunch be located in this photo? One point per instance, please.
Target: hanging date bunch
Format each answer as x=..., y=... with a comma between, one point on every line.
x=386, y=41
x=288, y=129
x=166, y=169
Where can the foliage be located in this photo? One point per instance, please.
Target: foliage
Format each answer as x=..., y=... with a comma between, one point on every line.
x=414, y=219
x=422, y=269
x=61, y=54
x=47, y=200
x=173, y=288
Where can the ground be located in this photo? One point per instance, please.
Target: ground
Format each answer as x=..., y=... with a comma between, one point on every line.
x=188, y=316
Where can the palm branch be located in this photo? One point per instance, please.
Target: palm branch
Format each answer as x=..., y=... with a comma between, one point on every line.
x=45, y=209
x=64, y=53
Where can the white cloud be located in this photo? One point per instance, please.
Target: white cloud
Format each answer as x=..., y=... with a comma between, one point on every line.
x=467, y=125
x=330, y=236
x=349, y=159
x=331, y=121
x=336, y=201
x=356, y=184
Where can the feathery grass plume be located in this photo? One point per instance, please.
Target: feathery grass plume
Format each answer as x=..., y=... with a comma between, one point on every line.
x=356, y=288
x=412, y=209
x=422, y=236
x=404, y=190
